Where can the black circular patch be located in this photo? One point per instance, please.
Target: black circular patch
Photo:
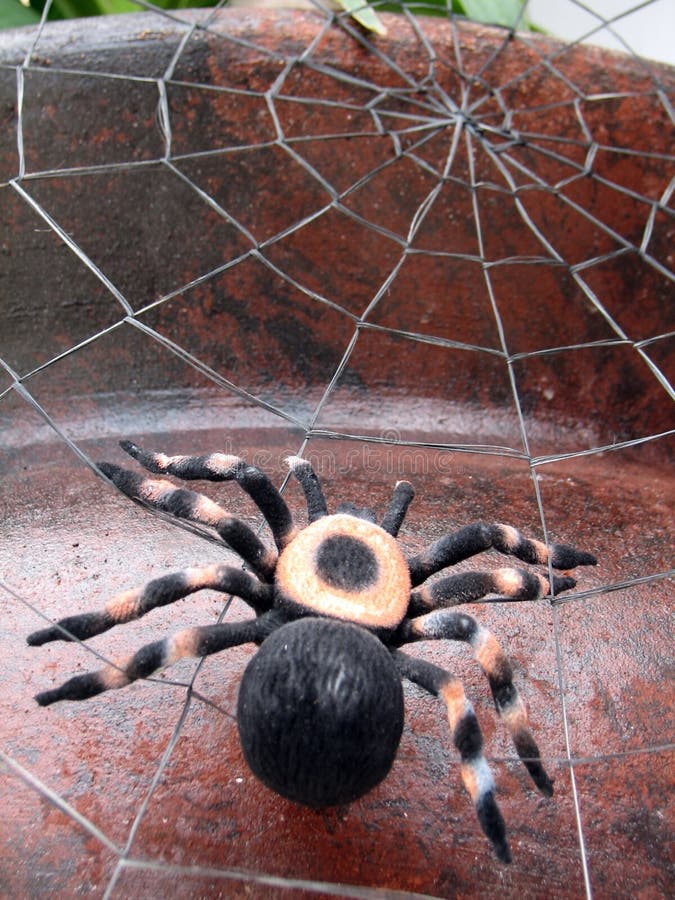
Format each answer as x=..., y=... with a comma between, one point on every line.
x=347, y=563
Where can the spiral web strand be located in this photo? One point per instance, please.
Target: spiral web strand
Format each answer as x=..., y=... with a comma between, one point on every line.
x=454, y=126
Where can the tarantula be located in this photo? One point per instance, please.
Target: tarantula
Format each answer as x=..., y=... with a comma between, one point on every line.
x=320, y=705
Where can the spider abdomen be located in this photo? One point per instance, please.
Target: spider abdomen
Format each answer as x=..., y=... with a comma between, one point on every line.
x=347, y=568
x=320, y=712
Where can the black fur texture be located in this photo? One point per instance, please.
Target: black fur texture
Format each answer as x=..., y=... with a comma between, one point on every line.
x=320, y=712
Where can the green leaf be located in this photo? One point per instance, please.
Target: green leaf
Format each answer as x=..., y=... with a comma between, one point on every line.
x=364, y=15
x=79, y=9
x=14, y=14
x=95, y=7
x=112, y=7
x=494, y=12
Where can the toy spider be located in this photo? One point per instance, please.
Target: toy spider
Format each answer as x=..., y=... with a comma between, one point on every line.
x=320, y=706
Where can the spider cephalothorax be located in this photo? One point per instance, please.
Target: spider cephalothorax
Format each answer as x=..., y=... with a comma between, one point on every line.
x=320, y=707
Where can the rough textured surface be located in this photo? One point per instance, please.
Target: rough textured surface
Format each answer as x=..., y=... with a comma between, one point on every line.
x=245, y=335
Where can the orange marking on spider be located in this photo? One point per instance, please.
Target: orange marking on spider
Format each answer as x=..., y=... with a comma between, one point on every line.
x=122, y=607
x=455, y=700
x=114, y=677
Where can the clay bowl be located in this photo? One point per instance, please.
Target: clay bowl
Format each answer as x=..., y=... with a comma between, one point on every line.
x=266, y=234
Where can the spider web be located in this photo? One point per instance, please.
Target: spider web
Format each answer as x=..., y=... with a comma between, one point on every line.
x=388, y=211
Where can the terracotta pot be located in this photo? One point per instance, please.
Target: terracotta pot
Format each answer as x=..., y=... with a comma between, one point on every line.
x=263, y=234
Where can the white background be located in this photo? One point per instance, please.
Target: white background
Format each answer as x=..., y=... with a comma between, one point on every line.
x=649, y=30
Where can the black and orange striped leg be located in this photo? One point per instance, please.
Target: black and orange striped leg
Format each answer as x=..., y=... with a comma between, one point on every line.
x=311, y=487
x=477, y=538
x=468, y=740
x=194, y=507
x=445, y=624
x=191, y=642
x=398, y=507
x=223, y=467
x=134, y=603
x=503, y=584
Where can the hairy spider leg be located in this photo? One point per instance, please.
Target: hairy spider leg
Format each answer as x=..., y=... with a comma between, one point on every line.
x=445, y=624
x=132, y=604
x=223, y=467
x=398, y=507
x=184, y=504
x=196, y=642
x=311, y=487
x=476, y=538
x=468, y=740
x=468, y=587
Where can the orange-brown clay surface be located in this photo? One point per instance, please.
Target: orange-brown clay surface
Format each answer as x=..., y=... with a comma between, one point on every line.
x=536, y=394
